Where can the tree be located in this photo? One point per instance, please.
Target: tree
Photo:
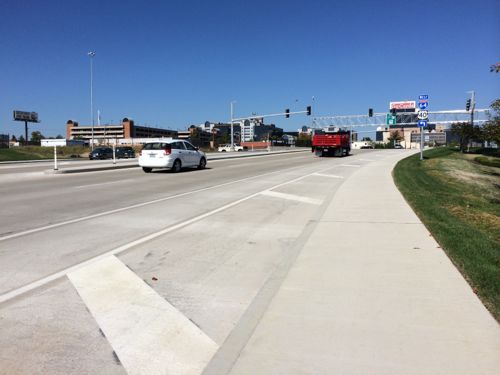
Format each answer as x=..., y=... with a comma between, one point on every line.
x=366, y=139
x=22, y=140
x=59, y=136
x=394, y=137
x=466, y=133
x=36, y=137
x=13, y=139
x=491, y=129
x=303, y=140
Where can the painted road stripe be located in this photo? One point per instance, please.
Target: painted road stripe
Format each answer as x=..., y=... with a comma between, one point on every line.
x=349, y=165
x=38, y=283
x=102, y=183
x=366, y=160
x=148, y=334
x=110, y=212
x=327, y=175
x=292, y=197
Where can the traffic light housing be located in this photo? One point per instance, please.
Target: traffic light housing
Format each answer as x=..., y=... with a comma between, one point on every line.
x=370, y=112
x=467, y=105
x=287, y=113
x=309, y=110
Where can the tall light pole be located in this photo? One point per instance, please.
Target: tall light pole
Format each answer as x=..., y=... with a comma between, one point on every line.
x=232, y=130
x=91, y=54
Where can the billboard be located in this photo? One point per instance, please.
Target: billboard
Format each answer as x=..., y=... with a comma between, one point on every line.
x=25, y=116
x=409, y=104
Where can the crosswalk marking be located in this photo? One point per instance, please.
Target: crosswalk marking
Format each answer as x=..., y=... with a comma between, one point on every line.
x=148, y=334
x=292, y=197
x=327, y=175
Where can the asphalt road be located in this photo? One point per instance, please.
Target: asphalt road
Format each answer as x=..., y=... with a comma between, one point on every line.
x=202, y=242
x=280, y=264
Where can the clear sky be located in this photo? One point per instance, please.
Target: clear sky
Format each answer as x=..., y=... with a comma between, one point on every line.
x=175, y=63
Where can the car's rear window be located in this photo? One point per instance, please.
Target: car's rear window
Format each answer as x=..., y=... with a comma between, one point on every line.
x=156, y=146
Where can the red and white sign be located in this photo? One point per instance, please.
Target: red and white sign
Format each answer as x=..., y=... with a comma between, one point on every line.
x=410, y=104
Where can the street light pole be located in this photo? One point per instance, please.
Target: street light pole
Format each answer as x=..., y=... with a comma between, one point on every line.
x=91, y=54
x=472, y=106
x=232, y=130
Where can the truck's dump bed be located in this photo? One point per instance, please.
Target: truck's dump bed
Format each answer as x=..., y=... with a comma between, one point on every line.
x=331, y=140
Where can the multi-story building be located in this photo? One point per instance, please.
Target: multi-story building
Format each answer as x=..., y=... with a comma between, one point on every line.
x=127, y=129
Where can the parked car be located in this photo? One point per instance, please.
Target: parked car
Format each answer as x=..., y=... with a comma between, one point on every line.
x=101, y=153
x=227, y=148
x=173, y=154
x=124, y=152
x=398, y=146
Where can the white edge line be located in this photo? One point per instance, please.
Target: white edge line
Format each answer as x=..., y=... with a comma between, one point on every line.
x=36, y=284
x=56, y=225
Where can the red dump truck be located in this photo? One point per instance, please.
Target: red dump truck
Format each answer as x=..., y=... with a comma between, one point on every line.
x=331, y=142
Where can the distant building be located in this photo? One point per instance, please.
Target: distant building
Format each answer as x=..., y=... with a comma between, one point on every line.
x=243, y=131
x=4, y=141
x=127, y=129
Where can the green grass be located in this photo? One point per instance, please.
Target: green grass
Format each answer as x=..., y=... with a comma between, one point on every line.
x=458, y=200
x=40, y=153
x=491, y=162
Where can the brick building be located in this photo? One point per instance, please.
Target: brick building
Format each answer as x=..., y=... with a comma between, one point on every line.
x=127, y=129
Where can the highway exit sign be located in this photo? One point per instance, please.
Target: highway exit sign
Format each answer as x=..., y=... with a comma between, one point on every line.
x=390, y=119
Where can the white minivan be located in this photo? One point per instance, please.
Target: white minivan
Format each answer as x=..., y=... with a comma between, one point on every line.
x=171, y=153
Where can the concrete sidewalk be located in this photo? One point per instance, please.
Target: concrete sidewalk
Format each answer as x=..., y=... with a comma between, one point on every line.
x=372, y=293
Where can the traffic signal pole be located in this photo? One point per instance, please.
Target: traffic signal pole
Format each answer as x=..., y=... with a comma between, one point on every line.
x=473, y=105
x=270, y=115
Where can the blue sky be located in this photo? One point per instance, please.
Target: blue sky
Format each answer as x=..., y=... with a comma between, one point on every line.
x=175, y=63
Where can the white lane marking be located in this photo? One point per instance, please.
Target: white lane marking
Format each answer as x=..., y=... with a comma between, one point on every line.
x=102, y=183
x=39, y=229
x=366, y=160
x=349, y=165
x=292, y=197
x=149, y=335
x=327, y=175
x=38, y=283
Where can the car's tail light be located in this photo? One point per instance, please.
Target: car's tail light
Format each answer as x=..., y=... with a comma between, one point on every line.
x=167, y=150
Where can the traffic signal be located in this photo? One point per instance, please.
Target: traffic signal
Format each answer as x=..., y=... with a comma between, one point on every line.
x=287, y=113
x=370, y=112
x=467, y=105
x=309, y=110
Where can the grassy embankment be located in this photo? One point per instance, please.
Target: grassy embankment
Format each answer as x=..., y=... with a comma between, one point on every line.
x=457, y=196
x=40, y=153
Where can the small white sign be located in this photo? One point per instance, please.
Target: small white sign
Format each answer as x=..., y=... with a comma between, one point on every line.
x=423, y=115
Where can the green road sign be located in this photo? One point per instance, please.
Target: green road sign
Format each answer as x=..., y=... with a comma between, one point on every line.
x=391, y=119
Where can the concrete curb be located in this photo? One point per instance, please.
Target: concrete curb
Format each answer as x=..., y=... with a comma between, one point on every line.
x=238, y=155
